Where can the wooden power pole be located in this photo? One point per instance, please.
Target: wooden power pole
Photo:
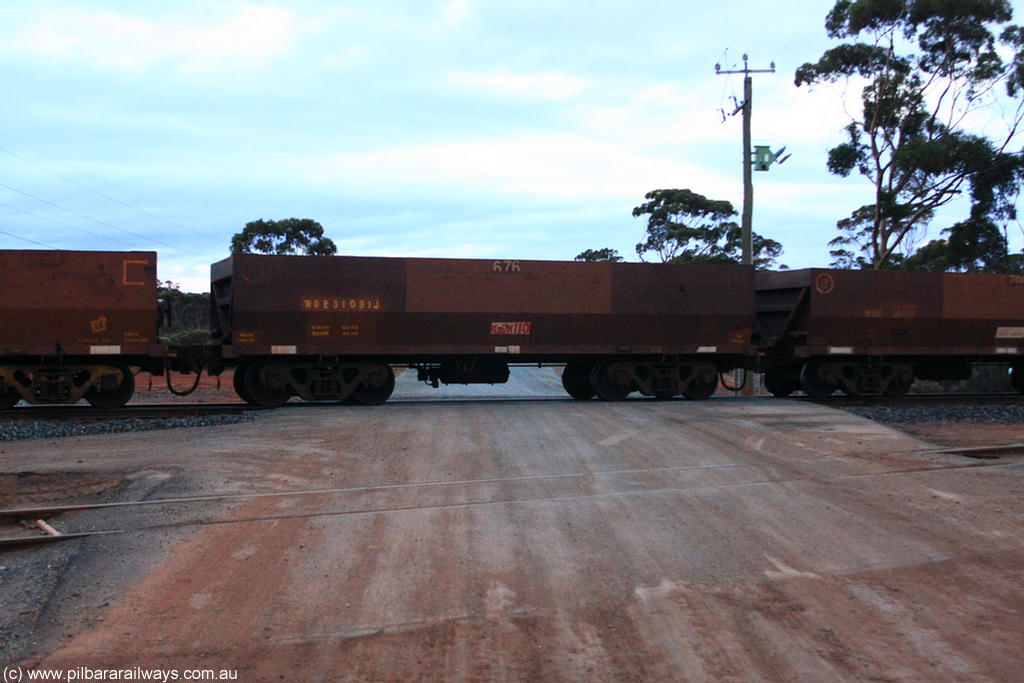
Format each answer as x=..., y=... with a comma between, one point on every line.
x=748, y=160
x=763, y=161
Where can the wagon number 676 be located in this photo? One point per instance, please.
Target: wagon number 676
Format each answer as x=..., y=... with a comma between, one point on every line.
x=506, y=267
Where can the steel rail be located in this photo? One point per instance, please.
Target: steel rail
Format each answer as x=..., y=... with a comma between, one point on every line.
x=10, y=542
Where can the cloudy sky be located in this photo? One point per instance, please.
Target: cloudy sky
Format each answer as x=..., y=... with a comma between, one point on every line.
x=464, y=128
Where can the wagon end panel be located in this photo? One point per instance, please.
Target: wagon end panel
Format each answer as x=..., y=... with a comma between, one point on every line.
x=78, y=303
x=988, y=310
x=781, y=304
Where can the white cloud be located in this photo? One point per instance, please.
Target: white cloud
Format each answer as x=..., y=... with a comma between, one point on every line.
x=249, y=36
x=654, y=115
x=837, y=198
x=692, y=113
x=455, y=12
x=545, y=85
x=188, y=276
x=549, y=165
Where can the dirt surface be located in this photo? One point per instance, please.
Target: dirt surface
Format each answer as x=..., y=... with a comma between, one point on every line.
x=219, y=389
x=544, y=539
x=966, y=435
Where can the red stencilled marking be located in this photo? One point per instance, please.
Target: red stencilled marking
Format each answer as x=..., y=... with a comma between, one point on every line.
x=825, y=283
x=510, y=328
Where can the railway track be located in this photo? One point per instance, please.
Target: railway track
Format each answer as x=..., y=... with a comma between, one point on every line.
x=840, y=401
x=144, y=411
x=982, y=457
x=161, y=410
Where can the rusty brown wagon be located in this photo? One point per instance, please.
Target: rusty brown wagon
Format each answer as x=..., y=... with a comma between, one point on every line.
x=874, y=332
x=332, y=328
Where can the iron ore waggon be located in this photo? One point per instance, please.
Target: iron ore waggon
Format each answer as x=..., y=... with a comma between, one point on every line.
x=870, y=332
x=333, y=327
x=74, y=323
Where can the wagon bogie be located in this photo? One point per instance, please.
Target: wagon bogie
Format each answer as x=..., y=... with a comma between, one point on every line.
x=613, y=380
x=103, y=385
x=822, y=378
x=271, y=383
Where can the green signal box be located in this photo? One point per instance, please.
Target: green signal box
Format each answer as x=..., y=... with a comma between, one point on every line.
x=764, y=157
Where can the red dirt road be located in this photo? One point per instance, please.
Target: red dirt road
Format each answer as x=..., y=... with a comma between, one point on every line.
x=729, y=540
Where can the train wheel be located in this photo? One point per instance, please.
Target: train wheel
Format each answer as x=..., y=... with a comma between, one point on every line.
x=9, y=398
x=238, y=380
x=373, y=394
x=115, y=397
x=899, y=385
x=703, y=383
x=897, y=388
x=777, y=384
x=1017, y=377
x=576, y=380
x=701, y=388
x=603, y=383
x=814, y=384
x=258, y=393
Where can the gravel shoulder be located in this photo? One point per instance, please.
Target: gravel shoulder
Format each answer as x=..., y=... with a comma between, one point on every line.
x=541, y=539
x=953, y=424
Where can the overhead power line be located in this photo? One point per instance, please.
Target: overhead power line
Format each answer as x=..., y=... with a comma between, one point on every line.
x=800, y=30
x=25, y=239
x=106, y=196
x=66, y=225
x=94, y=220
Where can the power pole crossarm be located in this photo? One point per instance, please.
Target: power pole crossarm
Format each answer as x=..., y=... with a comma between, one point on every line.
x=748, y=183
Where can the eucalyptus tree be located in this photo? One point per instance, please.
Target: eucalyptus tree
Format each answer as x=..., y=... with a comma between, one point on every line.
x=287, y=236
x=597, y=255
x=686, y=226
x=932, y=72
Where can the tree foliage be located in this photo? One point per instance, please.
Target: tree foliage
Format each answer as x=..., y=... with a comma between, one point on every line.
x=969, y=247
x=683, y=226
x=595, y=255
x=288, y=236
x=929, y=66
x=185, y=316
